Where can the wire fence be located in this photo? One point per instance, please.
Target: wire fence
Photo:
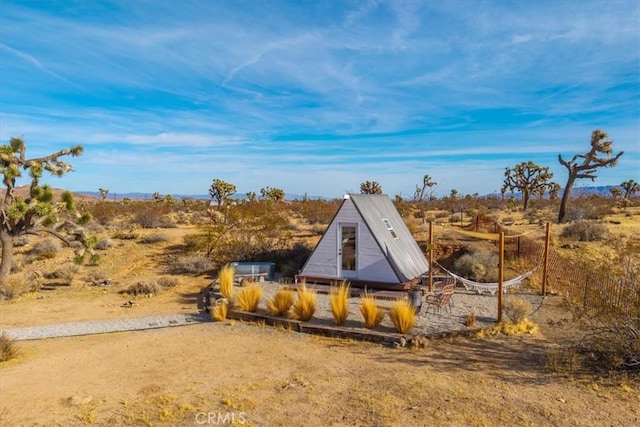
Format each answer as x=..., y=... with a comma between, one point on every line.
x=582, y=284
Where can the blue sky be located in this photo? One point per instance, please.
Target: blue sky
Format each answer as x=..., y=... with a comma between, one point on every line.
x=318, y=96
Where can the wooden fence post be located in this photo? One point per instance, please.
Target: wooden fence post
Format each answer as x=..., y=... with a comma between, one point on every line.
x=500, y=275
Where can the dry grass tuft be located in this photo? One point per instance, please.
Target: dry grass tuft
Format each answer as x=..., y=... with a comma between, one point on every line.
x=403, y=316
x=225, y=281
x=371, y=313
x=510, y=328
x=280, y=303
x=339, y=301
x=470, y=320
x=305, y=304
x=249, y=297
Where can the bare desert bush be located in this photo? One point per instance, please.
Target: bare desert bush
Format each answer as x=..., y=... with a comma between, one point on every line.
x=372, y=315
x=125, y=235
x=478, y=265
x=8, y=348
x=104, y=243
x=402, y=315
x=585, y=231
x=304, y=307
x=194, y=264
x=45, y=248
x=65, y=273
x=248, y=297
x=168, y=282
x=517, y=309
x=339, y=302
x=589, y=208
x=143, y=287
x=611, y=319
x=280, y=303
x=20, y=241
x=16, y=285
x=154, y=238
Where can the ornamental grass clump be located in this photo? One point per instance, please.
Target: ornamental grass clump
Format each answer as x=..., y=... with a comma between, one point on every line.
x=403, y=316
x=371, y=313
x=249, y=297
x=305, y=304
x=280, y=303
x=339, y=301
x=225, y=281
x=220, y=310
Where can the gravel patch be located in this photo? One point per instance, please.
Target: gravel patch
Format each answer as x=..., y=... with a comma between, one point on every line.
x=104, y=326
x=428, y=322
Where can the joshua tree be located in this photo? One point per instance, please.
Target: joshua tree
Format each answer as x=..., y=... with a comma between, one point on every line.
x=424, y=194
x=220, y=191
x=37, y=213
x=530, y=179
x=615, y=192
x=103, y=193
x=600, y=144
x=630, y=188
x=272, y=194
x=370, y=187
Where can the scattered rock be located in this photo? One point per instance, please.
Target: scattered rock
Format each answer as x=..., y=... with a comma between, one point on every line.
x=79, y=400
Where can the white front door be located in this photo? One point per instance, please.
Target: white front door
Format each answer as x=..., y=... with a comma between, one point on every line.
x=348, y=250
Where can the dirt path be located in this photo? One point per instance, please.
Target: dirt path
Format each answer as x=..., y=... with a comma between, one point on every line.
x=182, y=376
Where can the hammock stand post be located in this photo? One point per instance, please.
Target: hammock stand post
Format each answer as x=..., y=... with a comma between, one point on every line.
x=500, y=274
x=546, y=260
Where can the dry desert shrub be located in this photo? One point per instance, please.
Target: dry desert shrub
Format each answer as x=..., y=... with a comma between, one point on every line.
x=20, y=241
x=248, y=297
x=225, y=281
x=190, y=264
x=168, y=282
x=143, y=287
x=517, y=309
x=304, y=307
x=280, y=303
x=104, y=243
x=154, y=238
x=15, y=286
x=45, y=249
x=65, y=273
x=372, y=315
x=402, y=315
x=339, y=302
x=585, y=231
x=125, y=235
x=8, y=349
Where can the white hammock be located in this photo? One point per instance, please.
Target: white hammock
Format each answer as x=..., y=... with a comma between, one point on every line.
x=492, y=288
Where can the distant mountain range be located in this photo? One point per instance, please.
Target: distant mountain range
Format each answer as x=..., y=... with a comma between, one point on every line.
x=604, y=191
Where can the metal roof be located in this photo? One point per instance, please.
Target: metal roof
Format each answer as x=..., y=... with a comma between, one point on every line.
x=403, y=253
